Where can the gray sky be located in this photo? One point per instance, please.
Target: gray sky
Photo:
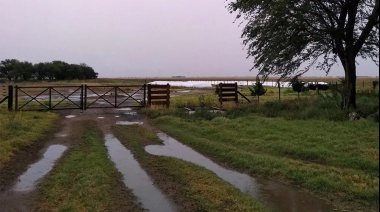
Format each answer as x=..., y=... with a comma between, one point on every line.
x=139, y=38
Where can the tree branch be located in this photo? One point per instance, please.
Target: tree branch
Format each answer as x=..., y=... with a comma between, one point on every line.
x=373, y=20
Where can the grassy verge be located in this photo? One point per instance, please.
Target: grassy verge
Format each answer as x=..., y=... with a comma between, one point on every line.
x=339, y=160
x=85, y=180
x=193, y=188
x=20, y=129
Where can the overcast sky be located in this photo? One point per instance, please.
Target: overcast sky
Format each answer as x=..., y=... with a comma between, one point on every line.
x=132, y=38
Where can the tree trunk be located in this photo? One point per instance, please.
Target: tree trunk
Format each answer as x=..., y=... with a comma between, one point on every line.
x=349, y=91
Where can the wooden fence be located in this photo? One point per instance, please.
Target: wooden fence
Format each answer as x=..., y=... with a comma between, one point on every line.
x=228, y=92
x=7, y=94
x=159, y=95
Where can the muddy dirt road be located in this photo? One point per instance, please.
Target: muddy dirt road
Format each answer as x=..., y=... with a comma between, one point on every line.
x=20, y=178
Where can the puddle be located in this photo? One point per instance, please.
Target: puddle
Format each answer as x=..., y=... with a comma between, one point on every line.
x=276, y=196
x=117, y=116
x=135, y=177
x=100, y=117
x=61, y=135
x=28, y=180
x=70, y=116
x=184, y=91
x=125, y=109
x=131, y=113
x=128, y=123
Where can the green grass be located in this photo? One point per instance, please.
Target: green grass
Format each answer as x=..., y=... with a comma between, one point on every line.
x=192, y=187
x=20, y=129
x=85, y=180
x=335, y=159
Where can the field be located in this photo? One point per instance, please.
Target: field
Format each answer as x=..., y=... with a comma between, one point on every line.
x=305, y=143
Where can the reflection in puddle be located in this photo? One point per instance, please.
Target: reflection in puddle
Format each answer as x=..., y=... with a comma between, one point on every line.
x=131, y=113
x=128, y=123
x=276, y=196
x=125, y=109
x=28, y=180
x=70, y=116
x=135, y=177
x=61, y=135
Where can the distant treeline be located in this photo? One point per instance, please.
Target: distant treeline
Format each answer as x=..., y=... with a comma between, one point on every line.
x=15, y=70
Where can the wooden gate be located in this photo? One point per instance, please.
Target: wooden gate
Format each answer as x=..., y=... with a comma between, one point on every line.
x=228, y=92
x=159, y=95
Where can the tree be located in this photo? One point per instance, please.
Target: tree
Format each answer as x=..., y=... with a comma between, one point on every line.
x=257, y=89
x=297, y=85
x=282, y=35
x=8, y=69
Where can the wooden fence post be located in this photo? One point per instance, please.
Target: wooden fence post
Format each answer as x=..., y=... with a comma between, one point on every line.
x=10, y=98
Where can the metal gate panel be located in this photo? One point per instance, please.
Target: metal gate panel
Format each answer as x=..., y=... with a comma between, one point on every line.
x=114, y=96
x=49, y=98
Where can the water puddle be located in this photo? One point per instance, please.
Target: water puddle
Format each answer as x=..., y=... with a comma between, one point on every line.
x=184, y=91
x=100, y=117
x=128, y=123
x=131, y=113
x=117, y=116
x=276, y=196
x=135, y=177
x=61, y=135
x=125, y=109
x=28, y=180
x=70, y=116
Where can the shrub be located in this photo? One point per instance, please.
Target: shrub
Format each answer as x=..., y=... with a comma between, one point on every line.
x=257, y=89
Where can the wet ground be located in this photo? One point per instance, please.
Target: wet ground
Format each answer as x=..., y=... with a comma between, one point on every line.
x=17, y=192
x=277, y=196
x=136, y=178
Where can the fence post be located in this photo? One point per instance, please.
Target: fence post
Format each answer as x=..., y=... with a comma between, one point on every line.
x=149, y=95
x=81, y=97
x=50, y=98
x=16, y=97
x=10, y=97
x=85, y=97
x=236, y=93
x=279, y=90
x=144, y=101
x=115, y=97
x=168, y=96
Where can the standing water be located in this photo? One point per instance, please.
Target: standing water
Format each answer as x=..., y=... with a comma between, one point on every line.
x=28, y=180
x=135, y=177
x=276, y=196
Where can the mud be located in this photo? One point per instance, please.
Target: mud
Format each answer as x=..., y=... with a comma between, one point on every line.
x=21, y=175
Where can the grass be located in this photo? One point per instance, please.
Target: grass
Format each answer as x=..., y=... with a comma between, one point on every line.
x=21, y=129
x=85, y=180
x=334, y=159
x=192, y=187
